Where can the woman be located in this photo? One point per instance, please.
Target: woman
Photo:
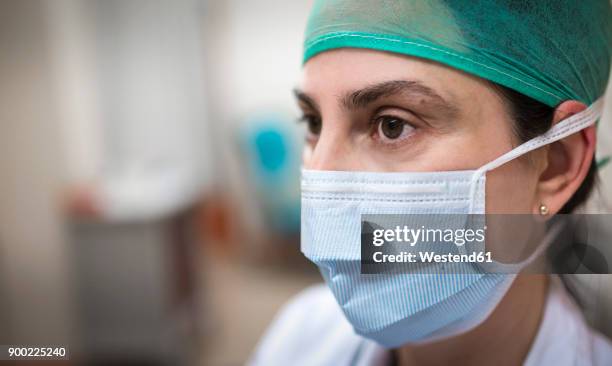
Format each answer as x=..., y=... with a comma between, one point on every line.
x=443, y=107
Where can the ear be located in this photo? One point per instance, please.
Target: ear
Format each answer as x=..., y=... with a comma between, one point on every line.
x=567, y=163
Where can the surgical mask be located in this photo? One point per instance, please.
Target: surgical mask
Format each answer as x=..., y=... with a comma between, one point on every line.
x=395, y=309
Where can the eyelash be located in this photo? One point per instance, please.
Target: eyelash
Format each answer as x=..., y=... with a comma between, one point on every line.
x=308, y=118
x=374, y=126
x=376, y=123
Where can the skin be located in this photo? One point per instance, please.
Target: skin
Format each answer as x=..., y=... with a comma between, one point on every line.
x=354, y=102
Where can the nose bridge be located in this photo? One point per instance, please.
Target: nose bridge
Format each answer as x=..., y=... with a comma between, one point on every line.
x=331, y=152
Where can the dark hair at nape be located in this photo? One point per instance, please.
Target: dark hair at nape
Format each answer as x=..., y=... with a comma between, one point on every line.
x=534, y=118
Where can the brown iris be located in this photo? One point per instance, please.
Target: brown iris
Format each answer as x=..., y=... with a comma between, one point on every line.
x=391, y=127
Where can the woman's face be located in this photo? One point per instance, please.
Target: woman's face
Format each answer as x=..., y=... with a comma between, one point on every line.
x=375, y=111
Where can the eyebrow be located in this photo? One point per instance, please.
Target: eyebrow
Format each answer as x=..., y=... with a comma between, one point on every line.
x=304, y=98
x=412, y=88
x=363, y=97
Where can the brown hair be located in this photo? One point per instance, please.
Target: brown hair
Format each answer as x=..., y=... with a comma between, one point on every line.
x=534, y=118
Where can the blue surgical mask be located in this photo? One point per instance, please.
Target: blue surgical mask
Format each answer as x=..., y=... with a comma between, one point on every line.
x=396, y=309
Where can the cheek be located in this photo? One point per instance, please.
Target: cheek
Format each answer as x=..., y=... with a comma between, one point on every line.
x=511, y=189
x=306, y=154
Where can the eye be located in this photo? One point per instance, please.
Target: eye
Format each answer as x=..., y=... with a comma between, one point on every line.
x=392, y=128
x=313, y=124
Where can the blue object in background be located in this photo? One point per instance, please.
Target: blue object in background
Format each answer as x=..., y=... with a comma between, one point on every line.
x=272, y=155
x=272, y=150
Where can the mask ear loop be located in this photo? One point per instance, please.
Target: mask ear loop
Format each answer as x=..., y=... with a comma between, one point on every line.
x=561, y=130
x=515, y=268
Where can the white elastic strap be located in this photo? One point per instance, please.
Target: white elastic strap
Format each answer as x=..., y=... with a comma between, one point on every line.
x=561, y=130
x=515, y=268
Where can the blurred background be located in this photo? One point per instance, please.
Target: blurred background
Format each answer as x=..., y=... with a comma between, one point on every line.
x=149, y=176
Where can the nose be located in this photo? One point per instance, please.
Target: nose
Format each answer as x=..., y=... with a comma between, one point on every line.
x=331, y=152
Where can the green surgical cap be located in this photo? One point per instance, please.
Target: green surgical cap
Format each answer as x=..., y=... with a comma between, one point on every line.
x=550, y=50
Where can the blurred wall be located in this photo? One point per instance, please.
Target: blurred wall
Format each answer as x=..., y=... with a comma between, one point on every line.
x=105, y=92
x=73, y=64
x=254, y=54
x=133, y=103
x=34, y=260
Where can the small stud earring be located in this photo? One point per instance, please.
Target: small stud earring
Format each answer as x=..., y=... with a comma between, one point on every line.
x=543, y=209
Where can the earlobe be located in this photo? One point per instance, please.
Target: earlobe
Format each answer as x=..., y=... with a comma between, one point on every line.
x=567, y=163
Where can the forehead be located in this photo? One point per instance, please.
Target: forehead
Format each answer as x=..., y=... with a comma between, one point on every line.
x=343, y=70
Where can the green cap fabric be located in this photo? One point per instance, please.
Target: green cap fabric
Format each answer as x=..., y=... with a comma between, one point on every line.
x=549, y=50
